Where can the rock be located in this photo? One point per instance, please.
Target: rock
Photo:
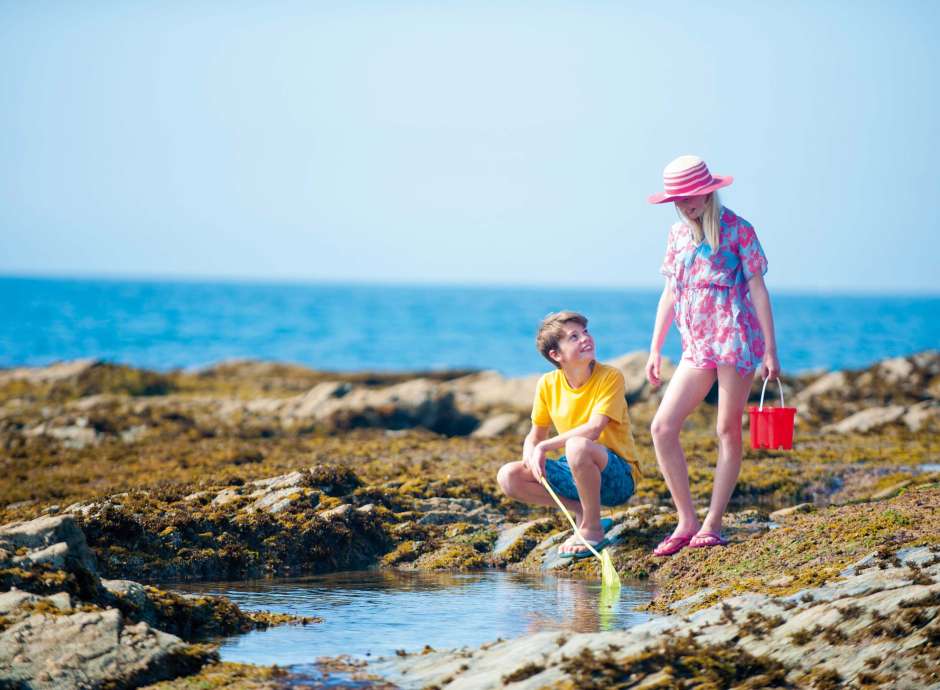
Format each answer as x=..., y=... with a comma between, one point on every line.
x=928, y=361
x=490, y=390
x=497, y=425
x=134, y=434
x=833, y=382
x=633, y=368
x=419, y=402
x=891, y=491
x=274, y=502
x=54, y=540
x=923, y=414
x=783, y=513
x=76, y=437
x=307, y=404
x=54, y=372
x=508, y=537
x=90, y=649
x=896, y=370
x=444, y=511
x=866, y=420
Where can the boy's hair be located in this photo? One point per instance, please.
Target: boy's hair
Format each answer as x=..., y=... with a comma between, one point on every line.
x=551, y=330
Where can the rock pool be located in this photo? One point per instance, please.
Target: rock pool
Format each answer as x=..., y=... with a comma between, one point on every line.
x=376, y=613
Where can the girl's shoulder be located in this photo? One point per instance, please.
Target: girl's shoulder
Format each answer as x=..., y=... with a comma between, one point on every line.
x=731, y=219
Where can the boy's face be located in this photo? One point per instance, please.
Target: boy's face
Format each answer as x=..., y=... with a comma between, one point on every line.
x=575, y=346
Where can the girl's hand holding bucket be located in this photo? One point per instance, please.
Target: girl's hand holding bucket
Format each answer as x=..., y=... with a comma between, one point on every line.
x=770, y=368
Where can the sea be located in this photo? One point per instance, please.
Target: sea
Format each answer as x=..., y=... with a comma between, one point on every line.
x=165, y=325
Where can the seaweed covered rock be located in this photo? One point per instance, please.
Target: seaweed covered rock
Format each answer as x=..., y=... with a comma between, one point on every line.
x=92, y=649
x=289, y=524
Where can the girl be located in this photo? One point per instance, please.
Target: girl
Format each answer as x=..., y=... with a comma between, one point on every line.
x=715, y=291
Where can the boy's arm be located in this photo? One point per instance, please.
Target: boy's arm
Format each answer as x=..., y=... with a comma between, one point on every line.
x=536, y=460
x=590, y=430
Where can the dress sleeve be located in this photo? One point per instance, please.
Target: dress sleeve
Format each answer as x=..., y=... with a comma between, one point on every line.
x=753, y=259
x=611, y=398
x=540, y=412
x=669, y=261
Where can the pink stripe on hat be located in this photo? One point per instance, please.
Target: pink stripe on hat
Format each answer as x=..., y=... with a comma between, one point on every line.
x=688, y=176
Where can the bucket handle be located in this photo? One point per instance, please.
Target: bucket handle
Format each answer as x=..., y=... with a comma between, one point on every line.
x=762, y=390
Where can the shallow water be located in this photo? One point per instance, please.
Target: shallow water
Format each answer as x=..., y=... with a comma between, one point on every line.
x=372, y=614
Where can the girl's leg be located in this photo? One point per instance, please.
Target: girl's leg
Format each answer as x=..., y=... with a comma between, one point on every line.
x=686, y=390
x=733, y=390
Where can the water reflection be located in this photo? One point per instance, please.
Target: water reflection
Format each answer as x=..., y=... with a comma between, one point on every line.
x=375, y=613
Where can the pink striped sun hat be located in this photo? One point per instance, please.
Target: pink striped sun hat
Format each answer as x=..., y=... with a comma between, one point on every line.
x=688, y=176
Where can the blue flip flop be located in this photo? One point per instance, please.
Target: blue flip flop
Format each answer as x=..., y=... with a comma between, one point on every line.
x=606, y=524
x=586, y=553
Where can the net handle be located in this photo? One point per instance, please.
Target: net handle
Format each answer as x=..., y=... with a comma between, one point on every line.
x=764, y=389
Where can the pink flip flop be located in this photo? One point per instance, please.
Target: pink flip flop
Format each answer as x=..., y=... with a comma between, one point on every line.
x=671, y=545
x=707, y=539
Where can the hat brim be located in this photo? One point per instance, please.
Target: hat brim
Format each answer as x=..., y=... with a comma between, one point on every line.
x=720, y=181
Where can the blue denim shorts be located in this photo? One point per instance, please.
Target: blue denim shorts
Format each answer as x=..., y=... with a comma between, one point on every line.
x=616, y=480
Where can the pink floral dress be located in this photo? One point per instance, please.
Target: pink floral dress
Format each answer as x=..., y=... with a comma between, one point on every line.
x=713, y=310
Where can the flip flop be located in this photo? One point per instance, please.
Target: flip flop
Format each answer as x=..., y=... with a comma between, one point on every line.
x=672, y=545
x=606, y=524
x=585, y=552
x=706, y=540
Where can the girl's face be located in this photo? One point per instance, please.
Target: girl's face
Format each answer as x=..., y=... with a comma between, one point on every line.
x=693, y=207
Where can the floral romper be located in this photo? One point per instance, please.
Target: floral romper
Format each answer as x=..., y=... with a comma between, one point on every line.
x=713, y=309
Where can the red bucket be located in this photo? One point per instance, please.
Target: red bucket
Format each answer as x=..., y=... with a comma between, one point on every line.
x=772, y=427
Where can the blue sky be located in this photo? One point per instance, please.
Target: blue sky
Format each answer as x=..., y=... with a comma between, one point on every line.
x=472, y=142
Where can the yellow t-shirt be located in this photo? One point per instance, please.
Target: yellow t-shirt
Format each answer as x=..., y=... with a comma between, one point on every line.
x=556, y=402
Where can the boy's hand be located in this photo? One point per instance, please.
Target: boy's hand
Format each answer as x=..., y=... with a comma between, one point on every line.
x=653, y=366
x=536, y=462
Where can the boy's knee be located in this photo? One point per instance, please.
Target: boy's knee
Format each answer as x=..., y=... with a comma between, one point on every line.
x=576, y=447
x=506, y=477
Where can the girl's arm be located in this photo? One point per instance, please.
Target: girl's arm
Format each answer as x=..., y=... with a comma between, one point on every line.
x=761, y=299
x=664, y=317
x=536, y=459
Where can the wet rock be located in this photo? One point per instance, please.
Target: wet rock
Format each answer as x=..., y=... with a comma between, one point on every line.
x=867, y=420
x=89, y=650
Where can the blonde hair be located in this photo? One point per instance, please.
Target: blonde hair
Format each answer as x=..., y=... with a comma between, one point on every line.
x=552, y=330
x=708, y=226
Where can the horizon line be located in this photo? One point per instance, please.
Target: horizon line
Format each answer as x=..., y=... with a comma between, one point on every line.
x=300, y=281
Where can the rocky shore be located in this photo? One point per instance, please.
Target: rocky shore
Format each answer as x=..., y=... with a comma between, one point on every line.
x=118, y=478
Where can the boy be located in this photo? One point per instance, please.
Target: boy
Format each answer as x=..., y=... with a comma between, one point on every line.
x=585, y=401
